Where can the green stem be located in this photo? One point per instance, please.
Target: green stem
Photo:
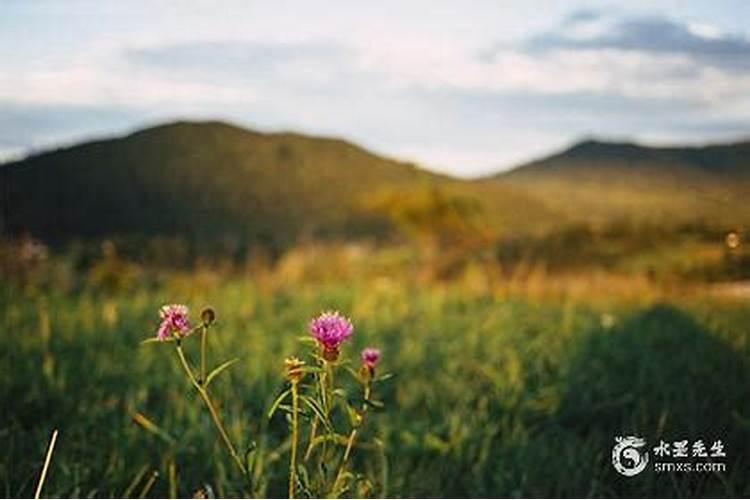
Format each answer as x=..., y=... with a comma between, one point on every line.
x=211, y=409
x=326, y=388
x=295, y=429
x=321, y=378
x=350, y=441
x=347, y=452
x=329, y=388
x=313, y=429
x=204, y=332
x=323, y=387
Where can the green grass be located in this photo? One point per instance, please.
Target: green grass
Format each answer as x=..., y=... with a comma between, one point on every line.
x=493, y=396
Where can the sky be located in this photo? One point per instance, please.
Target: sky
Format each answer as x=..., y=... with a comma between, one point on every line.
x=466, y=88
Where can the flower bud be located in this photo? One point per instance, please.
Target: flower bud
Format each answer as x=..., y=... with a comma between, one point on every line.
x=294, y=369
x=370, y=357
x=208, y=315
x=330, y=354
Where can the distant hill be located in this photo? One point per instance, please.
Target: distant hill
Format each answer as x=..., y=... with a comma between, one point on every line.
x=724, y=159
x=221, y=188
x=598, y=181
x=210, y=181
x=218, y=185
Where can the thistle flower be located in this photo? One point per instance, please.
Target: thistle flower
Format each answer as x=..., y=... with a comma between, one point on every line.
x=370, y=357
x=174, y=319
x=294, y=368
x=331, y=329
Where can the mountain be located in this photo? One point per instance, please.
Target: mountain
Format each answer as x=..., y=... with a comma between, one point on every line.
x=218, y=185
x=597, y=181
x=215, y=188
x=723, y=159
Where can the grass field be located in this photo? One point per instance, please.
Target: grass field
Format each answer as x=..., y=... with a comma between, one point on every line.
x=495, y=394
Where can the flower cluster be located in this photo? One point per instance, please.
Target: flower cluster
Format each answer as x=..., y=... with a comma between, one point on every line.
x=174, y=320
x=329, y=330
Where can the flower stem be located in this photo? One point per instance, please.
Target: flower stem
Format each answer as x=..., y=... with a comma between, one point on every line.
x=295, y=430
x=211, y=409
x=321, y=378
x=326, y=387
x=329, y=388
x=313, y=429
x=323, y=385
x=347, y=452
x=350, y=441
x=204, y=332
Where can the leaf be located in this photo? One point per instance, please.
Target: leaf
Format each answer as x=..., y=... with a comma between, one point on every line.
x=303, y=477
x=336, y=438
x=152, y=340
x=353, y=415
x=320, y=359
x=354, y=373
x=151, y=427
x=250, y=455
x=374, y=403
x=341, y=486
x=277, y=402
x=384, y=377
x=220, y=369
x=310, y=369
x=313, y=405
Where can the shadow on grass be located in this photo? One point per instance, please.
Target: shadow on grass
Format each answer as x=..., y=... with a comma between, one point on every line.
x=659, y=375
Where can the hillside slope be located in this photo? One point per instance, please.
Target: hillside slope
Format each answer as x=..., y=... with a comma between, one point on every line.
x=222, y=188
x=215, y=184
x=598, y=181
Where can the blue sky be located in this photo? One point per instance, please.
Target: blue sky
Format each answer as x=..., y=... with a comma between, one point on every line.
x=461, y=87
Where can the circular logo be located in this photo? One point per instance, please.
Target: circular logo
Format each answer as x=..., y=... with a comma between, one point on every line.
x=627, y=456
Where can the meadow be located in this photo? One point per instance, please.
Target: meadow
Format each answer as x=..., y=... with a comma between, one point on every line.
x=519, y=330
x=509, y=389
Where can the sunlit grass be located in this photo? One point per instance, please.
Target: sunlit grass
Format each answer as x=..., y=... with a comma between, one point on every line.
x=499, y=392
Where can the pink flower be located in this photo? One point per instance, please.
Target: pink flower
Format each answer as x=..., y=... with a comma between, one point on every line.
x=174, y=319
x=331, y=329
x=370, y=357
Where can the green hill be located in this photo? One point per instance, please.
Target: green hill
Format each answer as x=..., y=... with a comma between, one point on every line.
x=220, y=187
x=597, y=181
x=725, y=159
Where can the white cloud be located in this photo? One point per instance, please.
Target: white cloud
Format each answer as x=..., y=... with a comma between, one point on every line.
x=465, y=94
x=706, y=31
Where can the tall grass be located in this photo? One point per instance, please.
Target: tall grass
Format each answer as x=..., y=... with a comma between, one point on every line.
x=497, y=394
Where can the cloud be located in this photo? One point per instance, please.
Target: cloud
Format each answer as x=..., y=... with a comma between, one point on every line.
x=240, y=58
x=616, y=55
x=589, y=30
x=583, y=16
x=278, y=79
x=33, y=125
x=464, y=95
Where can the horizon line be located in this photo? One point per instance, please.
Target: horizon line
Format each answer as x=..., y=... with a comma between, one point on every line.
x=146, y=125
